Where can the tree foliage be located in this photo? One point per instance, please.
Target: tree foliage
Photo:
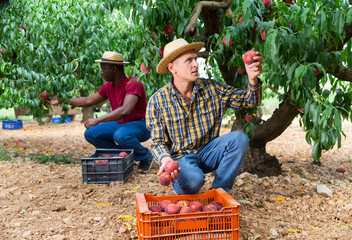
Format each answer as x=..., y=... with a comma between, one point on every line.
x=307, y=50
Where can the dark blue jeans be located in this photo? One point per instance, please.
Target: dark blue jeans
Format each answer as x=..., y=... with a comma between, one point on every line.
x=225, y=154
x=116, y=135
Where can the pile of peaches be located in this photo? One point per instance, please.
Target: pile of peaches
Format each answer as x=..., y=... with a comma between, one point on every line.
x=167, y=207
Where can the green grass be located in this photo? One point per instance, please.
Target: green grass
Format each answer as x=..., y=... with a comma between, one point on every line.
x=4, y=155
x=56, y=158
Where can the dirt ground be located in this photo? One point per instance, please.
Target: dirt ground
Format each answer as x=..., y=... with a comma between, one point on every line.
x=49, y=201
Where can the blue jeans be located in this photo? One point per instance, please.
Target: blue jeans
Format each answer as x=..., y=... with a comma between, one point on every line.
x=114, y=135
x=225, y=154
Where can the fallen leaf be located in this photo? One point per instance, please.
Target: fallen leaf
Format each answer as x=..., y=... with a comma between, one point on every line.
x=102, y=204
x=337, y=196
x=293, y=230
x=133, y=190
x=126, y=217
x=278, y=199
x=129, y=227
x=315, y=228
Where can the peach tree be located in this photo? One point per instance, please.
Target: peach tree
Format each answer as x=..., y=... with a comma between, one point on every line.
x=50, y=46
x=306, y=47
x=307, y=50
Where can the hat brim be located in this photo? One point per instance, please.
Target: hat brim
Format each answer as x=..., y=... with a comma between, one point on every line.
x=111, y=62
x=162, y=66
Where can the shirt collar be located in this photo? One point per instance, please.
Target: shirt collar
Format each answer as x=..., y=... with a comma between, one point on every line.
x=123, y=81
x=173, y=92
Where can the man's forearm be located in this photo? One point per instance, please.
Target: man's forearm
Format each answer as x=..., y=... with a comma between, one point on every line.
x=115, y=115
x=80, y=102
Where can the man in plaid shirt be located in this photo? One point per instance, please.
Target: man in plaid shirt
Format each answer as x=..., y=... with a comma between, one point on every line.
x=185, y=116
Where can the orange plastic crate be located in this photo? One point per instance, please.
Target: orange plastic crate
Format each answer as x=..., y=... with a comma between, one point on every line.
x=222, y=224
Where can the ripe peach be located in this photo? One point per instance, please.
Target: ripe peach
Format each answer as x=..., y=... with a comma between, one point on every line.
x=267, y=3
x=196, y=206
x=123, y=154
x=240, y=21
x=165, y=179
x=44, y=95
x=249, y=118
x=172, y=209
x=164, y=203
x=241, y=71
x=263, y=34
x=161, y=51
x=182, y=203
x=145, y=69
x=169, y=29
x=209, y=208
x=163, y=214
x=230, y=43
x=171, y=166
x=185, y=209
x=155, y=208
x=218, y=205
x=341, y=169
x=107, y=155
x=316, y=70
x=248, y=57
x=154, y=37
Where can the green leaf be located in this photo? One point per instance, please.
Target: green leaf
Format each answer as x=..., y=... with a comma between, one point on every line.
x=316, y=151
x=291, y=70
x=349, y=16
x=339, y=21
x=324, y=138
x=337, y=121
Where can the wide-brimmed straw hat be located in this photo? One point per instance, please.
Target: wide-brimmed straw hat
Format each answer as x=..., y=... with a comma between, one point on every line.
x=112, y=58
x=173, y=49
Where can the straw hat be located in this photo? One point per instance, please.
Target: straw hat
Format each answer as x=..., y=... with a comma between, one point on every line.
x=173, y=49
x=112, y=58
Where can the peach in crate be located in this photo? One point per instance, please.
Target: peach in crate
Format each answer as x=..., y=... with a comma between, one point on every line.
x=221, y=224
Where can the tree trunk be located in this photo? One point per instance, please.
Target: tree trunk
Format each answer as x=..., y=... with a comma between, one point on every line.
x=87, y=112
x=258, y=161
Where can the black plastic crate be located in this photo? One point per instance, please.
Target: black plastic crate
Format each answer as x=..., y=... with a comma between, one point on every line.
x=105, y=165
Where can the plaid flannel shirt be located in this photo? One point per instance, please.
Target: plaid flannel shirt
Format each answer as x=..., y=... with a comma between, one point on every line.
x=178, y=129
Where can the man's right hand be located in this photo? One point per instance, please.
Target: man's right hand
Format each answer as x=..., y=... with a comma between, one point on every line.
x=173, y=175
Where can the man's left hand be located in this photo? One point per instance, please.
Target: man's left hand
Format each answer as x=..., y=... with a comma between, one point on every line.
x=91, y=123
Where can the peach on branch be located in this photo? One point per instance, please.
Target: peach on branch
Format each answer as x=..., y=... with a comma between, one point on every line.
x=169, y=29
x=145, y=69
x=229, y=44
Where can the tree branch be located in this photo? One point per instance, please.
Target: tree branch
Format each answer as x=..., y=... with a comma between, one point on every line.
x=191, y=26
x=344, y=75
x=204, y=54
x=276, y=124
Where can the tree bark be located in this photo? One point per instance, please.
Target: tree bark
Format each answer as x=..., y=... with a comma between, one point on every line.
x=258, y=161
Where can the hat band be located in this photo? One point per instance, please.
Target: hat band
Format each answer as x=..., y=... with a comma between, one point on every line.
x=108, y=60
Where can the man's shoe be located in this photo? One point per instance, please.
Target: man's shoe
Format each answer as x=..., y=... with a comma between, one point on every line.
x=146, y=165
